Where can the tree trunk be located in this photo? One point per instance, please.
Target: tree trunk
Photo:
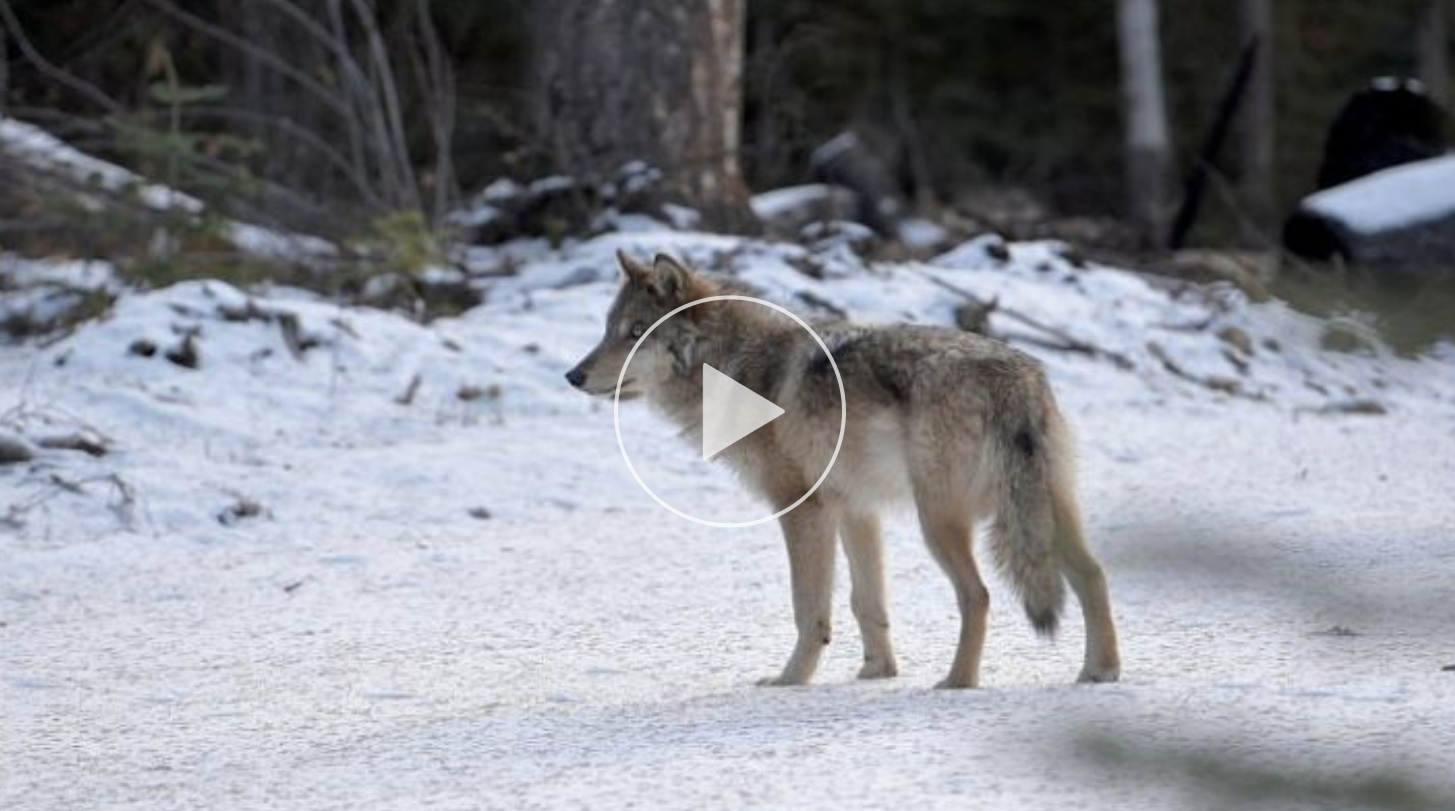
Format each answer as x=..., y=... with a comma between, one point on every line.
x=653, y=80
x=1432, y=51
x=1259, y=123
x=4, y=69
x=1148, y=143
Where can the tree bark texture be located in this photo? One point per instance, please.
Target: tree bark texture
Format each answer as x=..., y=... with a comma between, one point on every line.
x=1148, y=143
x=1432, y=51
x=1260, y=115
x=653, y=80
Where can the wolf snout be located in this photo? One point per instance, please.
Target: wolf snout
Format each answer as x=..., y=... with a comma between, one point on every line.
x=576, y=377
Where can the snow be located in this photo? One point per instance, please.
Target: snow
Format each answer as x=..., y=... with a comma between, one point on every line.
x=42, y=292
x=1388, y=84
x=777, y=203
x=16, y=271
x=835, y=147
x=1397, y=198
x=920, y=234
x=270, y=243
x=35, y=146
x=41, y=150
x=369, y=640
x=682, y=217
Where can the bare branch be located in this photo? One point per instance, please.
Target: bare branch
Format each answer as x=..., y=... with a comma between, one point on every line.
x=285, y=126
x=1063, y=341
x=49, y=69
x=272, y=60
x=389, y=96
x=437, y=84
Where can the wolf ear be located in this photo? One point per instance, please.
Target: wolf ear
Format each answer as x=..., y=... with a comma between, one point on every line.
x=633, y=269
x=670, y=278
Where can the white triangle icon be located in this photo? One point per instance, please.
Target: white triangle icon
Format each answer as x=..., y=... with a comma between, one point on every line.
x=730, y=411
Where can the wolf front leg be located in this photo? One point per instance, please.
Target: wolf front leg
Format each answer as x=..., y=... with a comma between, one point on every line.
x=864, y=547
x=809, y=532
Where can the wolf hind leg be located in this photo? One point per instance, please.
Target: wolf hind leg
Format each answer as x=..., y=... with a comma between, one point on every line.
x=809, y=532
x=1102, y=661
x=948, y=523
x=864, y=547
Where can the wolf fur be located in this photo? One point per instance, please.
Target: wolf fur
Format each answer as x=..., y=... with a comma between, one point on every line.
x=963, y=426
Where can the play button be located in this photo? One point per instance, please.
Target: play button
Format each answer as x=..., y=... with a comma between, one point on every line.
x=730, y=411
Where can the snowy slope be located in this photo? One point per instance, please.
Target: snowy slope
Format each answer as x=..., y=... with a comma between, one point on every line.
x=34, y=147
x=453, y=595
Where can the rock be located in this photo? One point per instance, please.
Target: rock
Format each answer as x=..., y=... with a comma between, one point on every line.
x=848, y=160
x=1236, y=338
x=556, y=206
x=822, y=237
x=785, y=212
x=240, y=510
x=14, y=450
x=185, y=354
x=1390, y=122
x=974, y=316
x=1370, y=408
x=1401, y=218
x=469, y=392
x=1248, y=271
x=1347, y=337
x=551, y=207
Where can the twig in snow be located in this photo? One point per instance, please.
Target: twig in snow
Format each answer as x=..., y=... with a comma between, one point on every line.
x=407, y=397
x=1223, y=385
x=1063, y=342
x=293, y=335
x=816, y=301
x=87, y=444
x=124, y=506
x=241, y=509
x=1363, y=407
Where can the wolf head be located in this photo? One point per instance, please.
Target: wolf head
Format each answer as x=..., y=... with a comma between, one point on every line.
x=647, y=293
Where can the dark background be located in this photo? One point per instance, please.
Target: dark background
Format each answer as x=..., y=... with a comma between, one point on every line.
x=973, y=104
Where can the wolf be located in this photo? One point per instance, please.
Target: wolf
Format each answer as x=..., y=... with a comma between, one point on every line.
x=963, y=426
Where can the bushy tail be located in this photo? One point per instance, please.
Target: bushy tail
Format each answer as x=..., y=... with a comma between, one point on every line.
x=1032, y=456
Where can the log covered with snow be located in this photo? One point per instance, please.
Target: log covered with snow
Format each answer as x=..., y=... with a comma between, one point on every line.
x=1402, y=217
x=786, y=211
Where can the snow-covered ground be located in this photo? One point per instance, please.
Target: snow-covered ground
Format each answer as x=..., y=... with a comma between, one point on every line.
x=350, y=561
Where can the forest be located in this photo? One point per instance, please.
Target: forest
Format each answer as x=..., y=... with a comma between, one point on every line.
x=1012, y=110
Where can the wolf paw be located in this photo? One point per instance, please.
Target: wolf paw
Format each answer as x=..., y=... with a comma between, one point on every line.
x=780, y=681
x=1098, y=676
x=949, y=683
x=879, y=669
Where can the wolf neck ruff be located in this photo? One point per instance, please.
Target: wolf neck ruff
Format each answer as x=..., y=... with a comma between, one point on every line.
x=843, y=411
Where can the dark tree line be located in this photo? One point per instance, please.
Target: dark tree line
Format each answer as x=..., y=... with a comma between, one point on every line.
x=321, y=111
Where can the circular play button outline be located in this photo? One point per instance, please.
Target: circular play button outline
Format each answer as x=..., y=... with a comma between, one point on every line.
x=843, y=411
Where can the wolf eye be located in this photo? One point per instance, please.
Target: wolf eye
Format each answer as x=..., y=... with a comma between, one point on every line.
x=638, y=329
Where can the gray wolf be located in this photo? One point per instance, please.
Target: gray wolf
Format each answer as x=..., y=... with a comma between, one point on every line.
x=963, y=426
